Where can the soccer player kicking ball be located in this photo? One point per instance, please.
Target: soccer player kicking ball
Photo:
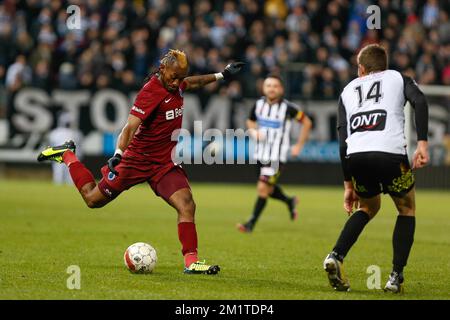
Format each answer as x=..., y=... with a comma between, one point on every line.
x=270, y=122
x=144, y=150
x=374, y=159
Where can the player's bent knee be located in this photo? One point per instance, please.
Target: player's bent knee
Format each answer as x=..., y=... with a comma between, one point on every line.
x=187, y=206
x=95, y=199
x=406, y=210
x=94, y=204
x=186, y=212
x=91, y=204
x=190, y=206
x=406, y=206
x=263, y=194
x=264, y=190
x=371, y=210
x=410, y=213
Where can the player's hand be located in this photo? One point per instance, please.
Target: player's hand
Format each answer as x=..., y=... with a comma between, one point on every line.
x=257, y=134
x=295, y=151
x=350, y=198
x=260, y=135
x=114, y=161
x=231, y=69
x=421, y=156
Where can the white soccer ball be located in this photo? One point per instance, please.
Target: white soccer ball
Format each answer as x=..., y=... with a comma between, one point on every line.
x=140, y=257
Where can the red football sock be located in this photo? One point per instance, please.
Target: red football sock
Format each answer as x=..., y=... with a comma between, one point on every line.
x=69, y=157
x=190, y=258
x=188, y=238
x=80, y=175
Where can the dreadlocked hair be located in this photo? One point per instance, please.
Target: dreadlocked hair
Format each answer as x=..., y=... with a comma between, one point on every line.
x=173, y=56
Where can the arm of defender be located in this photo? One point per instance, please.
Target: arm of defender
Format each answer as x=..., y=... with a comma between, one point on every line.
x=342, y=136
x=350, y=197
x=418, y=101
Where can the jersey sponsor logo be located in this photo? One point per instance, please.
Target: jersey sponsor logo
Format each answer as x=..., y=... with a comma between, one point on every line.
x=111, y=176
x=108, y=192
x=269, y=123
x=175, y=113
x=374, y=120
x=138, y=110
x=168, y=100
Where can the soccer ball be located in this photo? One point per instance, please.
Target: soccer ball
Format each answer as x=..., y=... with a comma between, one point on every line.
x=140, y=258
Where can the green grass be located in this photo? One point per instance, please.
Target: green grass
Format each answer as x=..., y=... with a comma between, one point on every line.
x=45, y=228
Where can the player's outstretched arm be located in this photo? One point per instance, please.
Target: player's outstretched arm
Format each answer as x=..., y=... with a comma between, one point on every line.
x=196, y=82
x=123, y=141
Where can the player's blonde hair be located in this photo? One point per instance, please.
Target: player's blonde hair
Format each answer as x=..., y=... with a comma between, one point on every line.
x=173, y=56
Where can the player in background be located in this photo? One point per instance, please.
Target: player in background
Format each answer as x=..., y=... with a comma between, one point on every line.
x=144, y=151
x=270, y=123
x=374, y=159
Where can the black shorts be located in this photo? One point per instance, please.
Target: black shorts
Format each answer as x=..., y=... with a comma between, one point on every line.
x=376, y=172
x=269, y=173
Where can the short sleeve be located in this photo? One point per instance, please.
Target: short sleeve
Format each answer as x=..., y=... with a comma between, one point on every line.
x=182, y=87
x=147, y=100
x=252, y=115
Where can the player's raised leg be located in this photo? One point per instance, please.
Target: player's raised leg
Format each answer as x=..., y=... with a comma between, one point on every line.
x=81, y=176
x=174, y=188
x=291, y=202
x=402, y=239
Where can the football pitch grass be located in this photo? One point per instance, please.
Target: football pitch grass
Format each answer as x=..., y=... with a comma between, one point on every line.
x=44, y=229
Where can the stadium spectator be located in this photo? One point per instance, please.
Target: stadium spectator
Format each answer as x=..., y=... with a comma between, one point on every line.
x=41, y=74
x=18, y=73
x=322, y=36
x=3, y=100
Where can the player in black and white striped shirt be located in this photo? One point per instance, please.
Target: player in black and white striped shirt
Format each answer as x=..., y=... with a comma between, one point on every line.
x=270, y=122
x=373, y=153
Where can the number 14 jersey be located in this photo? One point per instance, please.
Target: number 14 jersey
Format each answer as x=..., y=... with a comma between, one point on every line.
x=371, y=108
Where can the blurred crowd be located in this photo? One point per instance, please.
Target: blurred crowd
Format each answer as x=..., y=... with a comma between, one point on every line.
x=312, y=43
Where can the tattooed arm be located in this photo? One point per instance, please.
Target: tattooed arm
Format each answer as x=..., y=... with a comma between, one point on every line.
x=196, y=82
